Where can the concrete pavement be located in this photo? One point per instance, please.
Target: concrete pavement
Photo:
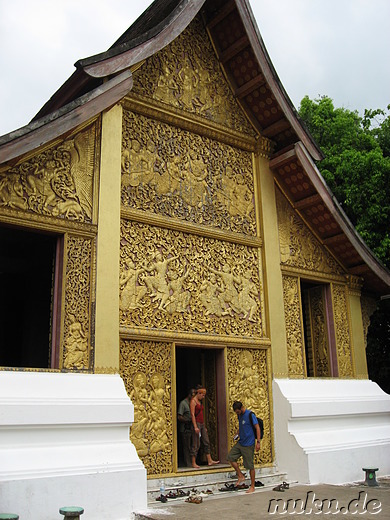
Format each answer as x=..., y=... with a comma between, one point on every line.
x=350, y=500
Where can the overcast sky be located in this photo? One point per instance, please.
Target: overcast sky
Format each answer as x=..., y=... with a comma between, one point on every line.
x=338, y=48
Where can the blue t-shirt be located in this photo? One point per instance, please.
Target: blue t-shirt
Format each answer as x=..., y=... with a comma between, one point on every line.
x=247, y=437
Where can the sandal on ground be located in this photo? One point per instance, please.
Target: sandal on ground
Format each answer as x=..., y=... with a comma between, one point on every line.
x=208, y=492
x=285, y=485
x=241, y=486
x=171, y=495
x=279, y=488
x=181, y=493
x=230, y=487
x=162, y=498
x=258, y=483
x=194, y=500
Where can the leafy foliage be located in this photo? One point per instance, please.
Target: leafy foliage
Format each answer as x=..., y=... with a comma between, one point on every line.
x=356, y=167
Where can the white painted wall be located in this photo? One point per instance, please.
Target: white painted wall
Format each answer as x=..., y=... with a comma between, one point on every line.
x=64, y=440
x=327, y=430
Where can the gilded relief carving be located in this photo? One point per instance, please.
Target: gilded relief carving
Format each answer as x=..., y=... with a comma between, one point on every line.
x=187, y=76
x=189, y=283
x=57, y=182
x=77, y=329
x=298, y=246
x=172, y=172
x=292, y=316
x=342, y=331
x=248, y=383
x=369, y=306
x=319, y=332
x=146, y=371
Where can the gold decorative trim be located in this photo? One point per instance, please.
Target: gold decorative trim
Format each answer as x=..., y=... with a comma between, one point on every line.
x=192, y=339
x=313, y=275
x=185, y=227
x=106, y=370
x=46, y=223
x=192, y=123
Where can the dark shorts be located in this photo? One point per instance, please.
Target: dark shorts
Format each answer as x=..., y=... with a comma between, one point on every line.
x=246, y=452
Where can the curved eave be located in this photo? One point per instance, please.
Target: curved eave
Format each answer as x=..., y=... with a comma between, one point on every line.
x=129, y=53
x=46, y=129
x=306, y=189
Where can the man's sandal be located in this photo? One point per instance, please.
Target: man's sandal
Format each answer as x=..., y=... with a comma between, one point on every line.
x=279, y=488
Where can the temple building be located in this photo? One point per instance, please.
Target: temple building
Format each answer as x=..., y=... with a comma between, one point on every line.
x=162, y=224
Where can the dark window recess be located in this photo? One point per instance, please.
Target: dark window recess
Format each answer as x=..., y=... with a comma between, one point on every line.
x=27, y=262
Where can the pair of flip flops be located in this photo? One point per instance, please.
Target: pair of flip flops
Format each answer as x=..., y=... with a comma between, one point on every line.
x=282, y=487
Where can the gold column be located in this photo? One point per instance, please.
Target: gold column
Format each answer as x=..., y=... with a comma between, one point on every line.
x=107, y=269
x=273, y=274
x=357, y=329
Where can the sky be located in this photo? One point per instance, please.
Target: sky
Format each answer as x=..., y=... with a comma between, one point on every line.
x=338, y=48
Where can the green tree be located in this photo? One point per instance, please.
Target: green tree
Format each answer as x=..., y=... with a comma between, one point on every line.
x=356, y=167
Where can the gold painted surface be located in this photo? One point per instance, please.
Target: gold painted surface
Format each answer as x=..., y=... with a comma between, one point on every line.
x=298, y=246
x=77, y=352
x=249, y=383
x=186, y=283
x=56, y=182
x=178, y=174
x=146, y=369
x=369, y=306
x=186, y=75
x=319, y=332
x=342, y=331
x=294, y=327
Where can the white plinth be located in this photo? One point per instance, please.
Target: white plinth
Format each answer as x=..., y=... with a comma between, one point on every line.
x=327, y=430
x=64, y=441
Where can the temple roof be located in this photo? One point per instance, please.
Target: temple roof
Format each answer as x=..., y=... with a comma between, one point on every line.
x=102, y=80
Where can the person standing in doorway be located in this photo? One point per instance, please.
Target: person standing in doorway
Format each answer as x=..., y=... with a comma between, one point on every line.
x=199, y=430
x=185, y=426
x=246, y=446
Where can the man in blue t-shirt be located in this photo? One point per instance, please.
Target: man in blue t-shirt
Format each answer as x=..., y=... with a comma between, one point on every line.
x=246, y=445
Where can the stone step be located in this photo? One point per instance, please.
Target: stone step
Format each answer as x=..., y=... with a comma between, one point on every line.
x=208, y=479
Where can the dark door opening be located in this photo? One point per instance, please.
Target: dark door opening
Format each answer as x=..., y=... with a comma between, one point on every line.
x=204, y=366
x=27, y=262
x=318, y=329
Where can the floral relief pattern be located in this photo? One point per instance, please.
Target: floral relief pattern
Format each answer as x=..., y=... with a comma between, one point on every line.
x=77, y=325
x=57, y=182
x=187, y=75
x=145, y=367
x=182, y=282
x=248, y=382
x=176, y=173
x=342, y=331
x=292, y=314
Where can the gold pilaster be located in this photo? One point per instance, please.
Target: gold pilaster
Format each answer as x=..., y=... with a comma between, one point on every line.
x=107, y=272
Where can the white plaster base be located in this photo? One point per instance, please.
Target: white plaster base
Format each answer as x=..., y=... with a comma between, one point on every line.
x=327, y=430
x=64, y=440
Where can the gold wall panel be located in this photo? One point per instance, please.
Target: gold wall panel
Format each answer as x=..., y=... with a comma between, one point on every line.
x=173, y=281
x=77, y=342
x=173, y=172
x=299, y=248
x=187, y=75
x=294, y=327
x=146, y=369
x=57, y=182
x=319, y=333
x=342, y=330
x=248, y=382
x=369, y=306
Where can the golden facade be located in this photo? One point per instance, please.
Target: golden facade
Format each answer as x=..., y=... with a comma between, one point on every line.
x=192, y=274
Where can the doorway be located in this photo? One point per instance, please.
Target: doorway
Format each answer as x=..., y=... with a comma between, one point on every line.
x=27, y=265
x=205, y=366
x=318, y=329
